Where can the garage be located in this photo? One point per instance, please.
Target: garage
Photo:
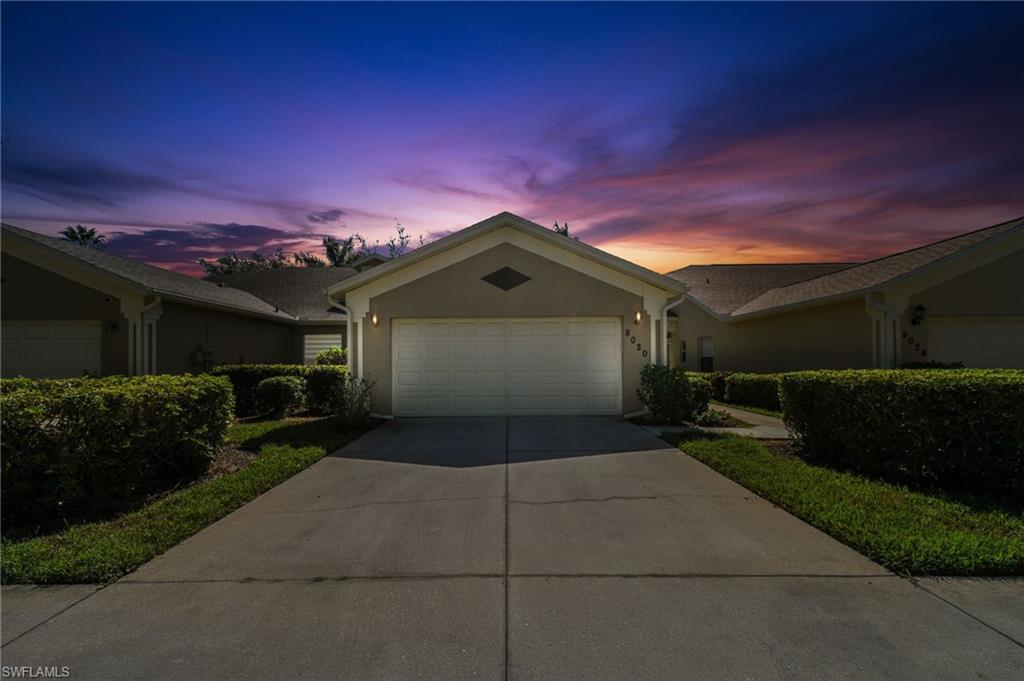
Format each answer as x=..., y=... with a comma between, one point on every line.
x=984, y=342
x=507, y=366
x=50, y=349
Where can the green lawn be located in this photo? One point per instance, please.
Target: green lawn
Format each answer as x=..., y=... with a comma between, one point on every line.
x=756, y=410
x=103, y=552
x=909, y=532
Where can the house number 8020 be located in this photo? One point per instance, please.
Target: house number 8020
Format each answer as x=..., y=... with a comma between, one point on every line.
x=638, y=346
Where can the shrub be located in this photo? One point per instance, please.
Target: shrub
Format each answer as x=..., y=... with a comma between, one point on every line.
x=321, y=386
x=932, y=365
x=99, y=444
x=954, y=428
x=279, y=396
x=718, y=379
x=350, y=400
x=245, y=377
x=753, y=390
x=672, y=395
x=331, y=356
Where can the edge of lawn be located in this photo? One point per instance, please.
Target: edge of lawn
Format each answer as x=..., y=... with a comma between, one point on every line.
x=907, y=531
x=104, y=551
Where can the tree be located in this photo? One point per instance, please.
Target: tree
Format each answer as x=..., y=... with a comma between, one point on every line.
x=564, y=230
x=84, y=236
x=343, y=252
x=307, y=259
x=231, y=263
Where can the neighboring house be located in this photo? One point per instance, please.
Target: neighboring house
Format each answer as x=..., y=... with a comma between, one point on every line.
x=508, y=317
x=68, y=310
x=956, y=300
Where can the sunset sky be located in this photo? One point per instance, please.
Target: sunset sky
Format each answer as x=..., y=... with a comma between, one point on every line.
x=667, y=134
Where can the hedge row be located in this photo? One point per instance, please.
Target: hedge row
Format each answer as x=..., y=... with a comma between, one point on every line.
x=753, y=390
x=957, y=429
x=673, y=395
x=93, y=445
x=321, y=383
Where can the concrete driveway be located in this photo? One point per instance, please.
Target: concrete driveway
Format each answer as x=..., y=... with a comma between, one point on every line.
x=522, y=548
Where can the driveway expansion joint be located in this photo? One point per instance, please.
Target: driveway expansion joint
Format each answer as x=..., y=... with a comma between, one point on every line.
x=966, y=612
x=397, y=502
x=626, y=497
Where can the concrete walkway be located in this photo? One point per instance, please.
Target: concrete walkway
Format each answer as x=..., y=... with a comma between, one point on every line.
x=520, y=548
x=762, y=427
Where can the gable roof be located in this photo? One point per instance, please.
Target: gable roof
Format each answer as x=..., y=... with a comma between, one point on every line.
x=724, y=288
x=736, y=291
x=859, y=279
x=499, y=221
x=149, y=278
x=299, y=291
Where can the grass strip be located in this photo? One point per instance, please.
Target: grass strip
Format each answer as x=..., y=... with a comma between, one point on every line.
x=909, y=532
x=104, y=551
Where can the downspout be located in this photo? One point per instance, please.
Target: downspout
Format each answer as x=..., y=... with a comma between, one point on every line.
x=664, y=327
x=348, y=330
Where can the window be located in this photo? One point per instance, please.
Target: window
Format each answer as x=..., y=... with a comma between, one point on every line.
x=707, y=353
x=313, y=343
x=682, y=352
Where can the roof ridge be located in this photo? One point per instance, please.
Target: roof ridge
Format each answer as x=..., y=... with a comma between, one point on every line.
x=903, y=252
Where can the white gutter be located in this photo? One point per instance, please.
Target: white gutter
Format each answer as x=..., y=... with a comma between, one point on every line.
x=348, y=330
x=662, y=351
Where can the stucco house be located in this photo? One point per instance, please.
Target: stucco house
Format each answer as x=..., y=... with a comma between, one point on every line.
x=956, y=300
x=508, y=317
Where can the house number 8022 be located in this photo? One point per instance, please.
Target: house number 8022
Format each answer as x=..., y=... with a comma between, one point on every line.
x=637, y=345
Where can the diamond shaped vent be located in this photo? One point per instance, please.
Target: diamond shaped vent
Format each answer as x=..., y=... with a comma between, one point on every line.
x=506, y=278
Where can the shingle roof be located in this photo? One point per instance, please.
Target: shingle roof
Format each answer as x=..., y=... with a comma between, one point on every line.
x=874, y=273
x=299, y=291
x=724, y=288
x=153, y=279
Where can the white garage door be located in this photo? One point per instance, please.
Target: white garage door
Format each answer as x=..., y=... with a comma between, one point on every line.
x=979, y=342
x=48, y=349
x=506, y=366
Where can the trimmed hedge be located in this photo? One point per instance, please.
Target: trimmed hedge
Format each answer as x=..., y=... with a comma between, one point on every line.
x=753, y=390
x=959, y=429
x=319, y=381
x=280, y=395
x=673, y=395
x=94, y=445
x=718, y=379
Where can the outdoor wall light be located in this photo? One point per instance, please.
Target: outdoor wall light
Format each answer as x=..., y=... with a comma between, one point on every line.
x=917, y=315
x=638, y=317
x=374, y=319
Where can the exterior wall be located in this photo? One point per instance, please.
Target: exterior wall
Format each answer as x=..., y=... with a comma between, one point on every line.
x=457, y=291
x=836, y=336
x=233, y=338
x=299, y=334
x=989, y=291
x=30, y=293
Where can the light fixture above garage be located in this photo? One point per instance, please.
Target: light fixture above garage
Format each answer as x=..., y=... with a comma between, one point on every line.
x=917, y=315
x=638, y=316
x=374, y=319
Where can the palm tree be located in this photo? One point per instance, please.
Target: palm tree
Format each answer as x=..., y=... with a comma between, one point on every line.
x=86, y=236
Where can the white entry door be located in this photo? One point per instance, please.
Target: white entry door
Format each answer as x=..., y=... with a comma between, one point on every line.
x=985, y=342
x=506, y=366
x=50, y=349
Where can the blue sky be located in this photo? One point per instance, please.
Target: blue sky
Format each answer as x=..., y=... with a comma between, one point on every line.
x=666, y=133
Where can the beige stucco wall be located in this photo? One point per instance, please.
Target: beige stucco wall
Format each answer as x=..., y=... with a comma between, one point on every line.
x=993, y=290
x=234, y=338
x=457, y=291
x=30, y=293
x=836, y=336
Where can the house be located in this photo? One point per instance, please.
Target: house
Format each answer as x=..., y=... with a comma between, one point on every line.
x=507, y=317
x=955, y=300
x=68, y=310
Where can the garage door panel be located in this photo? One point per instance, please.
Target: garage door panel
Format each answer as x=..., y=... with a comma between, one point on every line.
x=983, y=342
x=50, y=349
x=507, y=366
